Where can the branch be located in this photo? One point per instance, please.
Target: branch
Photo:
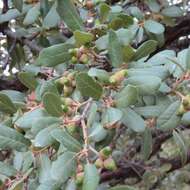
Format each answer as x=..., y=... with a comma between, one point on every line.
x=25, y=41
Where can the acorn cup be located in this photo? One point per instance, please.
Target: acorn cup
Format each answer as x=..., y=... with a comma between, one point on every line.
x=79, y=178
x=186, y=102
x=110, y=164
x=99, y=163
x=105, y=152
x=118, y=76
x=84, y=59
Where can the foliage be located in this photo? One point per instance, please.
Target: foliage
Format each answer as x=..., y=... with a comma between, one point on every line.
x=99, y=101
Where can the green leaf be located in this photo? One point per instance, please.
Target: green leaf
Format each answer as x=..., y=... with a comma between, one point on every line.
x=92, y=114
x=54, y=55
x=101, y=74
x=145, y=49
x=64, y=138
x=10, y=138
x=146, y=84
x=147, y=143
x=132, y=120
x=172, y=11
x=69, y=15
x=115, y=50
x=91, y=177
x=104, y=12
x=64, y=167
x=185, y=120
x=44, y=137
x=26, y=121
x=32, y=15
x=7, y=170
x=154, y=27
x=150, y=111
x=123, y=187
x=6, y=105
x=45, y=168
x=88, y=86
x=169, y=119
x=179, y=140
x=188, y=59
x=18, y=4
x=52, y=19
x=28, y=79
x=127, y=96
x=98, y=133
x=44, y=122
x=111, y=116
x=52, y=103
x=82, y=38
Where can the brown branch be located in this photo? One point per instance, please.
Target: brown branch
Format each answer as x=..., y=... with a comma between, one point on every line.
x=24, y=41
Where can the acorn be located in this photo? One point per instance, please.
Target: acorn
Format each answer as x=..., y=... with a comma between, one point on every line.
x=67, y=90
x=105, y=152
x=186, y=102
x=84, y=59
x=64, y=108
x=109, y=164
x=71, y=128
x=64, y=81
x=68, y=101
x=74, y=60
x=181, y=110
x=73, y=51
x=79, y=178
x=99, y=163
x=118, y=76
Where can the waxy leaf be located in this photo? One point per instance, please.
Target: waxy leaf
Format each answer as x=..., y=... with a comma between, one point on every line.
x=28, y=79
x=115, y=50
x=10, y=138
x=69, y=15
x=145, y=49
x=18, y=4
x=132, y=120
x=64, y=166
x=52, y=103
x=91, y=177
x=169, y=119
x=127, y=96
x=88, y=86
x=54, y=55
x=179, y=140
x=6, y=105
x=7, y=170
x=147, y=143
x=154, y=27
x=64, y=138
x=82, y=38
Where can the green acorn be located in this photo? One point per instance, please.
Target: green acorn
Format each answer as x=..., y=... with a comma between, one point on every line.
x=73, y=51
x=64, y=108
x=74, y=60
x=67, y=91
x=99, y=163
x=186, y=102
x=105, y=152
x=79, y=178
x=181, y=110
x=109, y=164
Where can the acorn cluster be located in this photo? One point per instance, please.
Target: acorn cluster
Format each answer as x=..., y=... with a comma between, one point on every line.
x=79, y=55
